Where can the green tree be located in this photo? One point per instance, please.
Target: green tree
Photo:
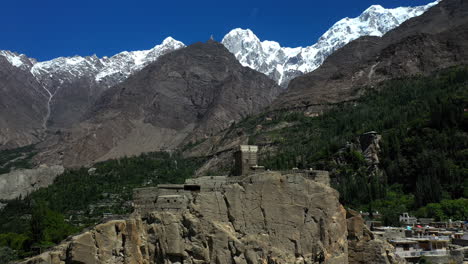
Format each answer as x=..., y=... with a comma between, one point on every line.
x=7, y=255
x=37, y=223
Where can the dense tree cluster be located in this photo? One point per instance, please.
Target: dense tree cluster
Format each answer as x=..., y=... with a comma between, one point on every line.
x=18, y=158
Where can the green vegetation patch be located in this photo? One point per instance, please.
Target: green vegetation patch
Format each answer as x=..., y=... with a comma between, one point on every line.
x=18, y=158
x=82, y=197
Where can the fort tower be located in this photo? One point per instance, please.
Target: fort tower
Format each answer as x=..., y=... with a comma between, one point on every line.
x=245, y=160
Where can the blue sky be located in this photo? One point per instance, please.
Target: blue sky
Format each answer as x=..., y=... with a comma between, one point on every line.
x=45, y=29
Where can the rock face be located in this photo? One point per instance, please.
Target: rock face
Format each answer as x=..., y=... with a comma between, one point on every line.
x=22, y=105
x=266, y=218
x=21, y=182
x=186, y=95
x=369, y=145
x=363, y=248
x=435, y=40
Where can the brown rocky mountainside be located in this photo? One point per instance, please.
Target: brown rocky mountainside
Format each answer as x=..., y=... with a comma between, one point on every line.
x=22, y=107
x=72, y=97
x=184, y=96
x=435, y=40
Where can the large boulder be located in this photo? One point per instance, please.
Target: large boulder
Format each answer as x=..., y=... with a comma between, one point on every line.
x=363, y=247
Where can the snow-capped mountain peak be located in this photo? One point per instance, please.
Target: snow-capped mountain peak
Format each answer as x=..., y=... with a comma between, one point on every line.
x=106, y=70
x=264, y=56
x=170, y=41
x=280, y=63
x=17, y=60
x=120, y=66
x=283, y=64
x=240, y=42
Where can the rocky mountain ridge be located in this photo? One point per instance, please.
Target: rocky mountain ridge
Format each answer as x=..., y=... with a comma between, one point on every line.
x=427, y=43
x=282, y=64
x=108, y=70
x=279, y=63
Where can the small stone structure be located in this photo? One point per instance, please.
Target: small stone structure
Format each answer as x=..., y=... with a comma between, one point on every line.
x=176, y=197
x=406, y=219
x=246, y=160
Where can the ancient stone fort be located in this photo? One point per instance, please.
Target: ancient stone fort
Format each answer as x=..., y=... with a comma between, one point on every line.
x=251, y=216
x=176, y=197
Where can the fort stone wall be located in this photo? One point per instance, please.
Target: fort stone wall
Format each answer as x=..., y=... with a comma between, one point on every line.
x=178, y=196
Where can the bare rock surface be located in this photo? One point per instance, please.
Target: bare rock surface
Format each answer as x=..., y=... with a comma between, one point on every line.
x=21, y=182
x=267, y=218
x=22, y=107
x=363, y=247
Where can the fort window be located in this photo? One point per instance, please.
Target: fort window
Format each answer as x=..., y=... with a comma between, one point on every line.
x=192, y=187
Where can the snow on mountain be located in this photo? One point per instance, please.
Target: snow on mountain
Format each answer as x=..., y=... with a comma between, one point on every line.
x=280, y=63
x=110, y=70
x=81, y=80
x=283, y=64
x=120, y=66
x=17, y=60
x=107, y=70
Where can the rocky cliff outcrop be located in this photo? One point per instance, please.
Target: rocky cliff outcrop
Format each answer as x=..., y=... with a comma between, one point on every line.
x=266, y=218
x=363, y=247
x=369, y=146
x=21, y=182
